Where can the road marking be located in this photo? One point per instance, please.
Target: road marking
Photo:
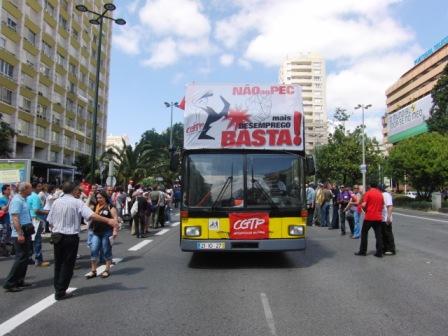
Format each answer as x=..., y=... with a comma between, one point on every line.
x=140, y=245
x=268, y=313
x=426, y=218
x=162, y=232
x=102, y=268
x=175, y=224
x=9, y=325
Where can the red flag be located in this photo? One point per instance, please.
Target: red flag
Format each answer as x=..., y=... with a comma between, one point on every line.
x=181, y=105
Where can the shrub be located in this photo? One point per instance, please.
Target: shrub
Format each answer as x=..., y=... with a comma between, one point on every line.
x=407, y=202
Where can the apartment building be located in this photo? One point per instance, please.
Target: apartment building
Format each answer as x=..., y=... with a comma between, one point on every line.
x=308, y=70
x=116, y=141
x=47, y=78
x=409, y=99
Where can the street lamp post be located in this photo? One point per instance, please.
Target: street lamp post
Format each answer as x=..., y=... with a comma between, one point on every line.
x=363, y=166
x=108, y=7
x=171, y=105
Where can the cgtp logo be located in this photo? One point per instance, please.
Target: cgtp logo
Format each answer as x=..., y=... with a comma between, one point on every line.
x=250, y=223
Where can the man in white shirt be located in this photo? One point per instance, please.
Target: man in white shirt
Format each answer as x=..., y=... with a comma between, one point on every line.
x=65, y=219
x=386, y=227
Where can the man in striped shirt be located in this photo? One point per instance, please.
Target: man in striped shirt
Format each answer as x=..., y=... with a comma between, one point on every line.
x=65, y=219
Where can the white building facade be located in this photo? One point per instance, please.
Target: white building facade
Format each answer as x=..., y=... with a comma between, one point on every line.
x=308, y=70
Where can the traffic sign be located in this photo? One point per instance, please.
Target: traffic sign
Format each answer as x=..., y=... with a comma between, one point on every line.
x=111, y=181
x=363, y=168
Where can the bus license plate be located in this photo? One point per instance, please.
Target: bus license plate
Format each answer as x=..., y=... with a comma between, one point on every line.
x=211, y=246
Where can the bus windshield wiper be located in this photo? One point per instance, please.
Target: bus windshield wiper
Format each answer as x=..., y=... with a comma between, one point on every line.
x=229, y=181
x=258, y=185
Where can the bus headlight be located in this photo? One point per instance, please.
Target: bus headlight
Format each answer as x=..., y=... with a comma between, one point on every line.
x=193, y=231
x=295, y=230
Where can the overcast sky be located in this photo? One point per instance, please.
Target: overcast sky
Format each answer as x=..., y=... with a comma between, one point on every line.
x=367, y=45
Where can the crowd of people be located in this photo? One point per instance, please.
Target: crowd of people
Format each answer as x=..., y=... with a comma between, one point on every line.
x=27, y=211
x=333, y=206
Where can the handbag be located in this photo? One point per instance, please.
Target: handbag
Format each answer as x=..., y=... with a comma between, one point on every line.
x=28, y=230
x=2, y=214
x=134, y=209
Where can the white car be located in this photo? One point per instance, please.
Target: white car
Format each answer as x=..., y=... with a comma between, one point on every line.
x=411, y=194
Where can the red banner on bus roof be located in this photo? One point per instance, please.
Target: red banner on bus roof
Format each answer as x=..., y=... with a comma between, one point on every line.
x=243, y=116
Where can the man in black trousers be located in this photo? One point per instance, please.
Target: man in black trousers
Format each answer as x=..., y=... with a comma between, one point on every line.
x=65, y=219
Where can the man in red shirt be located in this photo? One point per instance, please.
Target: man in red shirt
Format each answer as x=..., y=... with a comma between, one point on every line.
x=373, y=204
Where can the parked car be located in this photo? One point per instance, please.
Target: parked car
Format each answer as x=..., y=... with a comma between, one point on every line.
x=411, y=194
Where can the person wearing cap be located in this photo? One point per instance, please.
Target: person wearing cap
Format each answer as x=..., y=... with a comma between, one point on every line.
x=386, y=225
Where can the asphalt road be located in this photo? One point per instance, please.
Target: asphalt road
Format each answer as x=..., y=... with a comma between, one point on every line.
x=325, y=290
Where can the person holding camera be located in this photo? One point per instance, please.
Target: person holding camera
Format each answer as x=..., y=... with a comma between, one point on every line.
x=22, y=230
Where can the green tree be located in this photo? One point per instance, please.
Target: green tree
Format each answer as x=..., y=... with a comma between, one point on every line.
x=424, y=159
x=340, y=159
x=82, y=164
x=131, y=163
x=438, y=121
x=341, y=115
x=6, y=133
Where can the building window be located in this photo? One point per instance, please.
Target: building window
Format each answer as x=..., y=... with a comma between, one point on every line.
x=63, y=22
x=26, y=104
x=54, y=156
x=45, y=70
x=23, y=127
x=30, y=36
x=81, y=111
x=49, y=7
x=75, y=34
x=46, y=49
x=2, y=43
x=72, y=69
x=71, y=87
x=60, y=59
x=70, y=123
x=67, y=141
x=70, y=105
x=318, y=85
x=42, y=111
x=317, y=78
x=11, y=24
x=54, y=136
x=6, y=69
x=40, y=132
x=6, y=95
x=56, y=119
x=64, y=4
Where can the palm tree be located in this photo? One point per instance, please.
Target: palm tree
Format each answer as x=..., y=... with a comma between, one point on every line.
x=131, y=163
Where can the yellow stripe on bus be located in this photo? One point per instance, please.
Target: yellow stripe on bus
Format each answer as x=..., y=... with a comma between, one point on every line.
x=219, y=228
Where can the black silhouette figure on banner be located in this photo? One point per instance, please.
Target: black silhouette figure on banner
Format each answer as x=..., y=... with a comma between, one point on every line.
x=212, y=117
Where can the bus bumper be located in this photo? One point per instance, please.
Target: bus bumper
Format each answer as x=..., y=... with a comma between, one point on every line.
x=196, y=245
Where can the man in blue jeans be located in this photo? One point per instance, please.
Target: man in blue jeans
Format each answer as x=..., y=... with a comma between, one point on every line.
x=38, y=219
x=324, y=211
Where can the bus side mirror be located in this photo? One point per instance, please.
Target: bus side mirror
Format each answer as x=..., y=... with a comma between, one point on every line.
x=174, y=160
x=309, y=165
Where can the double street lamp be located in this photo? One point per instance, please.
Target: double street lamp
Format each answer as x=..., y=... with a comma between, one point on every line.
x=363, y=165
x=171, y=105
x=98, y=20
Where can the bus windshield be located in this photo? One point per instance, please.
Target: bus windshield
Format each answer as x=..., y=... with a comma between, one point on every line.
x=244, y=181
